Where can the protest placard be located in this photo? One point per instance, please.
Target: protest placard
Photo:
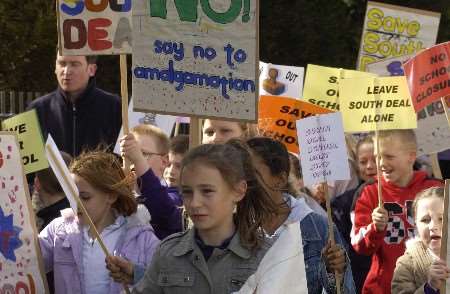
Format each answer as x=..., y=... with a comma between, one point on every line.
x=278, y=115
x=94, y=27
x=389, y=67
x=196, y=60
x=371, y=104
x=323, y=152
x=281, y=80
x=433, y=133
x=322, y=84
x=164, y=122
x=428, y=75
x=393, y=31
x=21, y=265
x=26, y=125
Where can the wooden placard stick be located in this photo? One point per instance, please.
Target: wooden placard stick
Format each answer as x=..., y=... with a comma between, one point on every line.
x=92, y=227
x=444, y=238
x=435, y=166
x=337, y=276
x=177, y=129
x=195, y=129
x=378, y=160
x=444, y=105
x=124, y=94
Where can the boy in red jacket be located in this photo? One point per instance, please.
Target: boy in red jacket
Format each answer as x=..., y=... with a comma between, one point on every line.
x=382, y=231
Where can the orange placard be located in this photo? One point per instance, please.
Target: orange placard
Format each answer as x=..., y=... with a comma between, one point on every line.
x=428, y=75
x=278, y=116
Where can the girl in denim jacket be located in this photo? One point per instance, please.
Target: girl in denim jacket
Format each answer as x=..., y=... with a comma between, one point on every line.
x=228, y=207
x=271, y=159
x=67, y=244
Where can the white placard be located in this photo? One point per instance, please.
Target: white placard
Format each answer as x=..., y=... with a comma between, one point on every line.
x=281, y=80
x=196, y=59
x=61, y=171
x=323, y=151
x=21, y=265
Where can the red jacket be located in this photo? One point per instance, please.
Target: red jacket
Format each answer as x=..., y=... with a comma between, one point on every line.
x=385, y=247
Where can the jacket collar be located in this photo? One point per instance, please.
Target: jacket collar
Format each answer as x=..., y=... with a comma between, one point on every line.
x=80, y=100
x=187, y=244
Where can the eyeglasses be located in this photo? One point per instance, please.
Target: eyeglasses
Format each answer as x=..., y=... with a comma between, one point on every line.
x=148, y=155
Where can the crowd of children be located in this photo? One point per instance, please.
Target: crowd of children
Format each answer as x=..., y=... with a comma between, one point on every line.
x=202, y=220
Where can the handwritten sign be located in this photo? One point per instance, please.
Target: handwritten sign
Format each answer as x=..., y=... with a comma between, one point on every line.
x=278, y=115
x=28, y=130
x=323, y=151
x=392, y=31
x=21, y=265
x=433, y=133
x=196, y=60
x=322, y=84
x=389, y=67
x=376, y=103
x=94, y=27
x=281, y=80
x=428, y=75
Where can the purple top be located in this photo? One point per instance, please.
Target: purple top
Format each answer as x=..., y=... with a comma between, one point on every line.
x=164, y=206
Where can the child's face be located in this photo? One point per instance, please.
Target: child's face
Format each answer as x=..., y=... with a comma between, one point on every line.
x=396, y=161
x=172, y=172
x=218, y=131
x=367, y=165
x=429, y=222
x=149, y=147
x=209, y=200
x=97, y=203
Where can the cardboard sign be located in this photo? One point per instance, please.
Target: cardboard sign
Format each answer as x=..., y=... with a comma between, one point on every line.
x=21, y=264
x=196, y=60
x=376, y=103
x=389, y=67
x=393, y=31
x=322, y=84
x=428, y=75
x=323, y=150
x=164, y=122
x=26, y=125
x=278, y=115
x=433, y=133
x=94, y=27
x=281, y=80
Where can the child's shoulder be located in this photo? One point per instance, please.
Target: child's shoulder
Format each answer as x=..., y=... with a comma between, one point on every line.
x=178, y=243
x=65, y=224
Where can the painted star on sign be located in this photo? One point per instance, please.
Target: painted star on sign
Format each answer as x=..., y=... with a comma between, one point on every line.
x=9, y=236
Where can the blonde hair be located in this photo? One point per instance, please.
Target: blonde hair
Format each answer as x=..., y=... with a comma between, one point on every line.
x=406, y=137
x=104, y=172
x=427, y=193
x=163, y=143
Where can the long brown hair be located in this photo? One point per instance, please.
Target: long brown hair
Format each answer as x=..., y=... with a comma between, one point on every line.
x=103, y=171
x=234, y=163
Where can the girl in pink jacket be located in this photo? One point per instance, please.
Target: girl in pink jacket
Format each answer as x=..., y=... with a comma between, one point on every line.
x=68, y=245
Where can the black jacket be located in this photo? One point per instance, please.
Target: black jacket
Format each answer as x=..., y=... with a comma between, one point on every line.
x=94, y=118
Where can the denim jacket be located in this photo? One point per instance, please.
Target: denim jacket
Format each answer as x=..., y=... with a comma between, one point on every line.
x=314, y=229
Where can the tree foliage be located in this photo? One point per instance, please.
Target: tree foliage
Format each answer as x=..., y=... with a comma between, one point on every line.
x=325, y=32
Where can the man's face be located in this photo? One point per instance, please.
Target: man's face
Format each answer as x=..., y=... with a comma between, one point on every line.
x=73, y=73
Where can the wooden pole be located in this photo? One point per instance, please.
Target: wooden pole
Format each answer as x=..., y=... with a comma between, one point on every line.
x=435, y=166
x=331, y=232
x=444, y=105
x=124, y=94
x=177, y=129
x=444, y=239
x=83, y=209
x=378, y=160
x=195, y=132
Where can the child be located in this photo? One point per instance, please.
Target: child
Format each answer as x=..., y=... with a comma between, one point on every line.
x=179, y=146
x=228, y=206
x=67, y=243
x=382, y=231
x=271, y=160
x=147, y=147
x=420, y=270
x=219, y=131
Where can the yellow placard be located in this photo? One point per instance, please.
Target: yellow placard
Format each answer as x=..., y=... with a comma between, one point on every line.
x=322, y=84
x=26, y=126
x=369, y=104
